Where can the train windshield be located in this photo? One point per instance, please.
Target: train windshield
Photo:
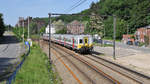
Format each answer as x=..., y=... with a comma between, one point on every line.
x=80, y=41
x=86, y=41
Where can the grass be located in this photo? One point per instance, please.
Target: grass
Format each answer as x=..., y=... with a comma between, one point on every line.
x=35, y=36
x=117, y=40
x=35, y=70
x=103, y=45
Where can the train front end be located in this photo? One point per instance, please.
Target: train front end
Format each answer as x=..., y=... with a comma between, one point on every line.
x=85, y=44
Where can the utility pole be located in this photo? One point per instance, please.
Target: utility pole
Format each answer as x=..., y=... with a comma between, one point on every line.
x=114, y=44
x=8, y=27
x=50, y=38
x=28, y=27
x=23, y=30
x=104, y=31
x=19, y=31
x=127, y=29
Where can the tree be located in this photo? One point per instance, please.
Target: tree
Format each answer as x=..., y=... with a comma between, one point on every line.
x=58, y=25
x=146, y=39
x=2, y=27
x=42, y=30
x=96, y=24
x=33, y=28
x=134, y=13
x=120, y=27
x=62, y=31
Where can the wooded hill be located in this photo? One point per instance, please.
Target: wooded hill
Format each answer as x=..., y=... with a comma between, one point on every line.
x=130, y=13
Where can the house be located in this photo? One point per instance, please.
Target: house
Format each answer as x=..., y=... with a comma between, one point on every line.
x=142, y=32
x=52, y=29
x=21, y=20
x=75, y=27
x=127, y=38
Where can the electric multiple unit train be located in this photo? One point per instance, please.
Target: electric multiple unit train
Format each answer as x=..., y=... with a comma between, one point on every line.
x=80, y=43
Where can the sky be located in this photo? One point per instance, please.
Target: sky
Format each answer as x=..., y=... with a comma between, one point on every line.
x=13, y=9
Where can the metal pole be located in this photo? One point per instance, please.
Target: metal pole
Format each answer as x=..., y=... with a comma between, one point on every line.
x=114, y=44
x=8, y=28
x=49, y=37
x=127, y=29
x=19, y=32
x=104, y=31
x=28, y=27
x=23, y=30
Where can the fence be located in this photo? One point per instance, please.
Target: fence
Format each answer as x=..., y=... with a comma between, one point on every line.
x=13, y=75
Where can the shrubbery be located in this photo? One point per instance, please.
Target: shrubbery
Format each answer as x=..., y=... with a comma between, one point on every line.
x=2, y=27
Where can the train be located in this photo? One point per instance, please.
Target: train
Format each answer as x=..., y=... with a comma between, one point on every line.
x=79, y=43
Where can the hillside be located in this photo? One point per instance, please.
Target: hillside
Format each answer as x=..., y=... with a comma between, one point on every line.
x=130, y=13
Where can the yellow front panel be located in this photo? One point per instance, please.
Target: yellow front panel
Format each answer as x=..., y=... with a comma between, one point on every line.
x=80, y=45
x=90, y=45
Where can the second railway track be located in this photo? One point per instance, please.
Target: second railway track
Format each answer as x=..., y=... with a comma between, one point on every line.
x=94, y=63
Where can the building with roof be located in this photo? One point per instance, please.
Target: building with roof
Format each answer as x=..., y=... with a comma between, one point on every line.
x=52, y=29
x=75, y=27
x=127, y=37
x=142, y=32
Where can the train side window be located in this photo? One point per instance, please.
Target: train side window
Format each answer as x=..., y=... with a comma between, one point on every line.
x=80, y=41
x=74, y=41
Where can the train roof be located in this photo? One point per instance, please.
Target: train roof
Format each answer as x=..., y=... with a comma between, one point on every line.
x=69, y=35
x=72, y=35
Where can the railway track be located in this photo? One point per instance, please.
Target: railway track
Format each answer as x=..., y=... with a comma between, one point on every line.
x=94, y=68
x=129, y=73
x=133, y=78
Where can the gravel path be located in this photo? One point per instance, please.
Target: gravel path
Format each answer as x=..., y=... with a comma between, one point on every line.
x=10, y=50
x=137, y=59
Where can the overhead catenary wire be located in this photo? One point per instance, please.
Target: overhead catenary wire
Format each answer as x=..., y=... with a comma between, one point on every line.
x=73, y=5
x=77, y=5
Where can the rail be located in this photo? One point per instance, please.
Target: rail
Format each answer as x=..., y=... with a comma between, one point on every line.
x=91, y=66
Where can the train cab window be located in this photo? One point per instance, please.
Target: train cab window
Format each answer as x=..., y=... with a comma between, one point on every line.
x=85, y=40
x=80, y=41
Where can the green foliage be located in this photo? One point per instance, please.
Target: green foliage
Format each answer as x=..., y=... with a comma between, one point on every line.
x=33, y=28
x=42, y=30
x=146, y=39
x=96, y=24
x=141, y=44
x=2, y=26
x=62, y=31
x=18, y=31
x=8, y=27
x=35, y=69
x=134, y=13
x=103, y=45
x=120, y=27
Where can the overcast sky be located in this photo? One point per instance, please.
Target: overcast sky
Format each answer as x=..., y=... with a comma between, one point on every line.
x=12, y=9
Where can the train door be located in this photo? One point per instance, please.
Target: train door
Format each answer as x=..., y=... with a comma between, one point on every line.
x=86, y=41
x=64, y=41
x=73, y=43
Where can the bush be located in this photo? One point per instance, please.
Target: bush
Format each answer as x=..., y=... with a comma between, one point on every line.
x=141, y=44
x=146, y=39
x=2, y=27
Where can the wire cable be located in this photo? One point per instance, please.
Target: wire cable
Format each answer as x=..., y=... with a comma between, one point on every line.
x=75, y=6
